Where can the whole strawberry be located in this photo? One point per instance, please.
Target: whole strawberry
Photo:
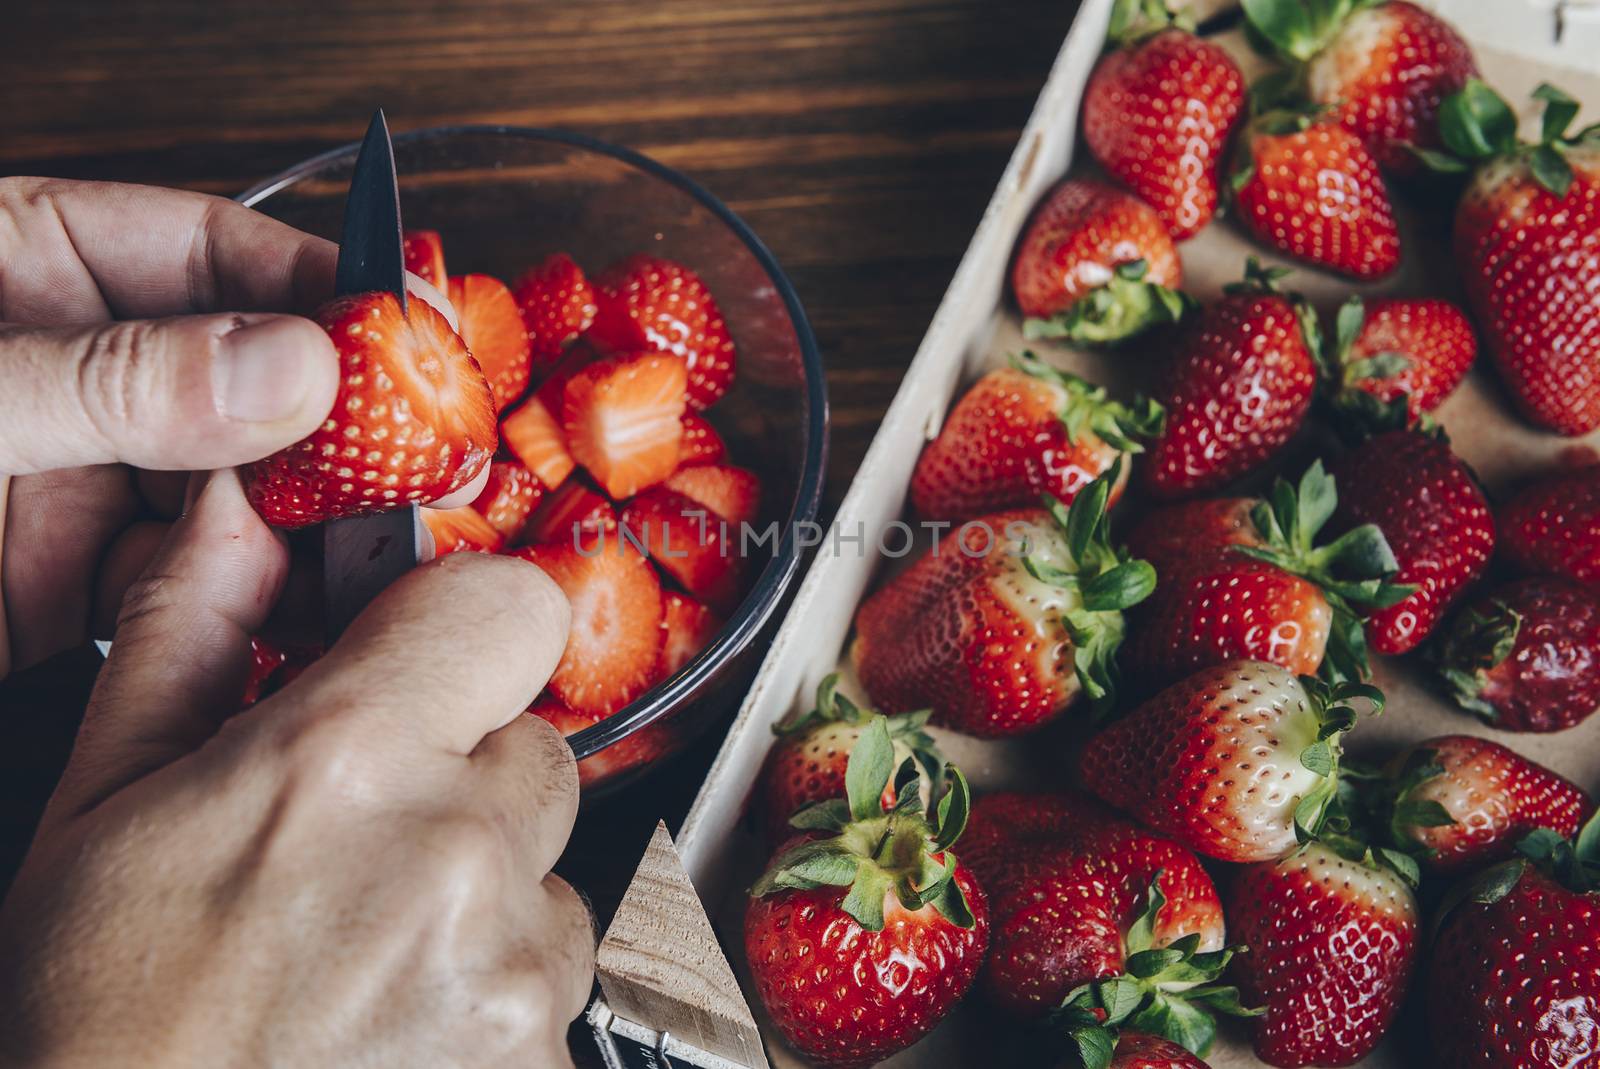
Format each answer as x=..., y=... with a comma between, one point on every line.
x=1248, y=578
x=1398, y=359
x=557, y=305
x=413, y=419
x=1526, y=656
x=1096, y=922
x=1011, y=619
x=1022, y=432
x=1513, y=980
x=1460, y=802
x=807, y=763
x=1414, y=489
x=1236, y=388
x=1311, y=190
x=1095, y=265
x=1331, y=946
x=649, y=304
x=1526, y=234
x=1158, y=111
x=863, y=934
x=1553, y=527
x=1382, y=68
x=1238, y=762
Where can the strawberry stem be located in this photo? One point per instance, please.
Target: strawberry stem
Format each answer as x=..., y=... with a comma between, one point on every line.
x=1089, y=407
x=1124, y=306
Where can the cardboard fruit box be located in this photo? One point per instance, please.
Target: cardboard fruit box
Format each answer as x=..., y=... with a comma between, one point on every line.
x=1518, y=44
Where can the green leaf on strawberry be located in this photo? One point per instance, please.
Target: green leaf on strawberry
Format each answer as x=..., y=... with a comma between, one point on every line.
x=1089, y=408
x=1477, y=125
x=1124, y=306
x=1477, y=641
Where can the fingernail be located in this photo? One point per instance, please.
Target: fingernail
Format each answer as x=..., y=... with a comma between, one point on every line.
x=262, y=370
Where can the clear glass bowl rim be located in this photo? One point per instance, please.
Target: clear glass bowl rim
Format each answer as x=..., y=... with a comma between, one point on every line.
x=763, y=598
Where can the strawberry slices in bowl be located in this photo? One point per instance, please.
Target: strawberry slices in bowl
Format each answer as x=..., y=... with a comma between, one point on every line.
x=624, y=370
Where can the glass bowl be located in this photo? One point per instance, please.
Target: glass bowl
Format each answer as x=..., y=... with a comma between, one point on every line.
x=505, y=197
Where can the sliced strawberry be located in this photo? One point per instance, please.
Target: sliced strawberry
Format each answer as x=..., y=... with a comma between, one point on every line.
x=462, y=529
x=557, y=305
x=533, y=434
x=570, y=513
x=615, y=638
x=687, y=542
x=620, y=758
x=687, y=627
x=623, y=420
x=509, y=497
x=493, y=331
x=413, y=419
x=648, y=304
x=732, y=493
x=701, y=443
x=424, y=256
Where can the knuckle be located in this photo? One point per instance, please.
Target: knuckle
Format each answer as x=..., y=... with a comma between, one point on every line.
x=146, y=596
x=115, y=375
x=326, y=759
x=466, y=847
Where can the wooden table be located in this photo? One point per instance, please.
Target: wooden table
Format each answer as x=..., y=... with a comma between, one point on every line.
x=860, y=138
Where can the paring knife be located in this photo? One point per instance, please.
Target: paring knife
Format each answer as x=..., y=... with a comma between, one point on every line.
x=363, y=554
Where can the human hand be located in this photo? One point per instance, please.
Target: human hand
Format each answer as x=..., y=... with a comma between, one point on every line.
x=354, y=871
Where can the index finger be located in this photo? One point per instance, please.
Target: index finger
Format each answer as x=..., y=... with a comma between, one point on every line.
x=85, y=252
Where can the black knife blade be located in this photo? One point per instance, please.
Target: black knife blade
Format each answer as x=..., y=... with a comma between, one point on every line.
x=363, y=554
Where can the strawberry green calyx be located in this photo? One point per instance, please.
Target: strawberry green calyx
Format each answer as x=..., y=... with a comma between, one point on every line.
x=1320, y=812
x=1473, y=647
x=1477, y=125
x=1353, y=570
x=1169, y=991
x=1089, y=408
x=1399, y=812
x=1296, y=30
x=1361, y=412
x=1126, y=305
x=905, y=729
x=1134, y=20
x=1106, y=581
x=905, y=851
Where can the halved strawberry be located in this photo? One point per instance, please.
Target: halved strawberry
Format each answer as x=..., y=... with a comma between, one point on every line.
x=622, y=418
x=615, y=638
x=557, y=305
x=649, y=304
x=493, y=331
x=413, y=419
x=701, y=443
x=633, y=752
x=532, y=433
x=688, y=542
x=462, y=529
x=424, y=256
x=509, y=497
x=687, y=627
x=569, y=514
x=730, y=492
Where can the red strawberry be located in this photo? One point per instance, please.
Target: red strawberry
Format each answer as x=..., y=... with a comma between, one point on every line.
x=732, y=493
x=622, y=420
x=1514, y=977
x=858, y=952
x=1553, y=527
x=266, y=657
x=1233, y=762
x=493, y=331
x=807, y=763
x=413, y=419
x=625, y=756
x=1136, y=1050
x=1243, y=578
x=1237, y=387
x=571, y=515
x=1022, y=432
x=1462, y=802
x=701, y=443
x=424, y=257
x=1332, y=943
x=1399, y=358
x=648, y=304
x=1383, y=69
x=1435, y=519
x=698, y=549
x=1526, y=656
x=509, y=497
x=557, y=305
x=1157, y=114
x=1313, y=191
x=1526, y=232
x=1081, y=901
x=1095, y=265
x=687, y=627
x=616, y=623
x=535, y=438
x=461, y=529
x=1011, y=619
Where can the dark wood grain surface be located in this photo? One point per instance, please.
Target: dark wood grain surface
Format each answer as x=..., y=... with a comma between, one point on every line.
x=860, y=138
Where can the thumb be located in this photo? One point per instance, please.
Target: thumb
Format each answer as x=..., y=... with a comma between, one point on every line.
x=193, y=392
